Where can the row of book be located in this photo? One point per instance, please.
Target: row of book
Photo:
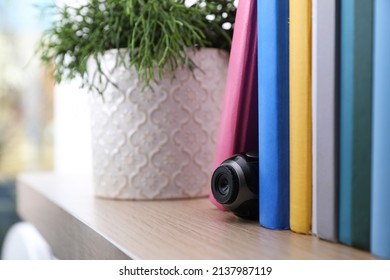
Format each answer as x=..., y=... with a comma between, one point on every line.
x=309, y=88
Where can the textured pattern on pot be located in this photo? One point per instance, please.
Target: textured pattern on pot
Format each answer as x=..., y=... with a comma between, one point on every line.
x=158, y=144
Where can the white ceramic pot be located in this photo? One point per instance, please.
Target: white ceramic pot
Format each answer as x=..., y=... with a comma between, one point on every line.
x=158, y=144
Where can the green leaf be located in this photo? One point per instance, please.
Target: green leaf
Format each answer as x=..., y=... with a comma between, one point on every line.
x=153, y=33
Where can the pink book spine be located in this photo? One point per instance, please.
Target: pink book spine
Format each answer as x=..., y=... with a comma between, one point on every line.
x=238, y=131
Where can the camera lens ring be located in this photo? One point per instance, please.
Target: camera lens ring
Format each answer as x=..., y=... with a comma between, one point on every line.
x=224, y=184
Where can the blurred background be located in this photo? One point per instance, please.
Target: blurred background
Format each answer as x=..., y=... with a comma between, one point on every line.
x=26, y=102
x=43, y=127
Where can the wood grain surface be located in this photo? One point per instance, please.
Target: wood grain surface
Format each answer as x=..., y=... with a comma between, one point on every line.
x=79, y=225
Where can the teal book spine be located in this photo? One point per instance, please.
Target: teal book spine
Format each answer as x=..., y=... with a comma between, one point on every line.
x=380, y=226
x=273, y=86
x=355, y=122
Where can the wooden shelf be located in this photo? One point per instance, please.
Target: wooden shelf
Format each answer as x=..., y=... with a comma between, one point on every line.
x=79, y=226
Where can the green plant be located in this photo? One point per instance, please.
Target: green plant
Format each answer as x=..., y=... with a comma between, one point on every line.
x=154, y=33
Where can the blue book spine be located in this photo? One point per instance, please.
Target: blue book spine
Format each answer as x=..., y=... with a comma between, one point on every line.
x=273, y=84
x=380, y=226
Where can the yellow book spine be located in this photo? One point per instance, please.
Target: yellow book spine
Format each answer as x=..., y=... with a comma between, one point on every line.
x=300, y=116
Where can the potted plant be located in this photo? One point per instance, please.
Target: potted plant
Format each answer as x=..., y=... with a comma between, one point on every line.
x=156, y=70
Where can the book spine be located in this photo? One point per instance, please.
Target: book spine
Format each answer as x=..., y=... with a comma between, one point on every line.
x=273, y=61
x=380, y=226
x=238, y=131
x=300, y=116
x=355, y=122
x=325, y=105
x=314, y=70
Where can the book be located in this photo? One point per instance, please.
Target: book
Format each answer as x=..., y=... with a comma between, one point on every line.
x=355, y=122
x=238, y=131
x=314, y=116
x=300, y=116
x=324, y=114
x=380, y=224
x=273, y=85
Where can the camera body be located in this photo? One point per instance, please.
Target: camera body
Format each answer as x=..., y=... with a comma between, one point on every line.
x=235, y=185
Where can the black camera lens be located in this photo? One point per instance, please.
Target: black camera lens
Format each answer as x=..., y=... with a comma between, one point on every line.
x=235, y=184
x=223, y=184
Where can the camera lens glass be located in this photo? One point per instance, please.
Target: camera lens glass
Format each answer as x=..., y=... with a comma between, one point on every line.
x=223, y=184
